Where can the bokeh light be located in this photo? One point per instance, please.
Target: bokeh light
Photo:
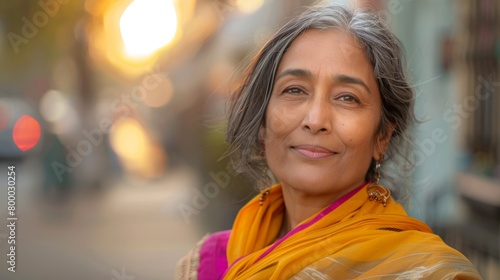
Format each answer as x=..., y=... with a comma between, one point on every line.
x=249, y=6
x=148, y=25
x=129, y=139
x=26, y=133
x=161, y=95
x=53, y=106
x=137, y=151
x=60, y=114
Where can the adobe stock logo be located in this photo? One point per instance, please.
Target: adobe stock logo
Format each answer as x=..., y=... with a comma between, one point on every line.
x=49, y=9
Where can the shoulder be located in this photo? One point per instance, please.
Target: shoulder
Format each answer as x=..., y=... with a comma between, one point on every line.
x=427, y=255
x=207, y=260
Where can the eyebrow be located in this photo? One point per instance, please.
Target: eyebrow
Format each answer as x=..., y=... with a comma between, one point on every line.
x=337, y=78
x=294, y=72
x=351, y=80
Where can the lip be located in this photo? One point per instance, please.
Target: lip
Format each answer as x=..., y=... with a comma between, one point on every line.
x=313, y=151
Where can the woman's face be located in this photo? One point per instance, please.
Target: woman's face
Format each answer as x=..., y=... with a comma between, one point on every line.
x=321, y=129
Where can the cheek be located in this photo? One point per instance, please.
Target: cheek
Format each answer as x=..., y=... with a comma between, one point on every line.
x=358, y=133
x=280, y=121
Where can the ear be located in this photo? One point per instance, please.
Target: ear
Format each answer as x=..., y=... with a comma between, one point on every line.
x=382, y=141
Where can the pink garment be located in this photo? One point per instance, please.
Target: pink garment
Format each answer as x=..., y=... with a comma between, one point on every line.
x=213, y=260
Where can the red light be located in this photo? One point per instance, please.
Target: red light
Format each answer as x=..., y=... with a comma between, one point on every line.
x=26, y=133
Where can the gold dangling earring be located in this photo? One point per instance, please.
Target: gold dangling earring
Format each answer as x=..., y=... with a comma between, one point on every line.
x=267, y=190
x=376, y=191
x=263, y=195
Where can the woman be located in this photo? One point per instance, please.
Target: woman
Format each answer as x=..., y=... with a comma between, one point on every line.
x=324, y=103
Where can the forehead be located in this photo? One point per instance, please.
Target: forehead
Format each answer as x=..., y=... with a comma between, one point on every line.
x=334, y=49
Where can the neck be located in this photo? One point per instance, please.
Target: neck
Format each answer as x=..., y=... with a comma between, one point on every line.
x=300, y=206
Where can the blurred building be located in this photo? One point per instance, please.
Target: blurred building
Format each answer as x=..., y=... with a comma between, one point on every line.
x=452, y=51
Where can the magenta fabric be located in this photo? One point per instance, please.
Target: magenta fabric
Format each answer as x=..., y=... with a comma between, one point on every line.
x=213, y=259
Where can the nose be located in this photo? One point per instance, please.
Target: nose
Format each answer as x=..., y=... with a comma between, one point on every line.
x=318, y=118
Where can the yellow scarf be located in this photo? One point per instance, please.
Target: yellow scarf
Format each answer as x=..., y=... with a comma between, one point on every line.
x=358, y=239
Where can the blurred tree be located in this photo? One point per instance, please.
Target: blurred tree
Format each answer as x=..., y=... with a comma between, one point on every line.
x=36, y=33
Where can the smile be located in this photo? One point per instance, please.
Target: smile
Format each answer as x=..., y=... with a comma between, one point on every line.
x=313, y=152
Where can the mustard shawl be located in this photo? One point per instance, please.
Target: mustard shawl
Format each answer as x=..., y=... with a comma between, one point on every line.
x=359, y=239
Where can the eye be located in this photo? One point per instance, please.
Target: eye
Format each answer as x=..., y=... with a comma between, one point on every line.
x=348, y=99
x=294, y=91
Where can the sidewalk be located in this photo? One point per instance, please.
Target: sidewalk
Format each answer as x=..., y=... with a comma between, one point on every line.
x=125, y=232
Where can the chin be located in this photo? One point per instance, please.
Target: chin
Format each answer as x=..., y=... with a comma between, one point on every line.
x=318, y=181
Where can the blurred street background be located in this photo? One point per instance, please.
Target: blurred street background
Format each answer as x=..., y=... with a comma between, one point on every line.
x=112, y=118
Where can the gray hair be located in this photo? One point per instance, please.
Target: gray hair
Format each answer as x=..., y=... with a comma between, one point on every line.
x=248, y=104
